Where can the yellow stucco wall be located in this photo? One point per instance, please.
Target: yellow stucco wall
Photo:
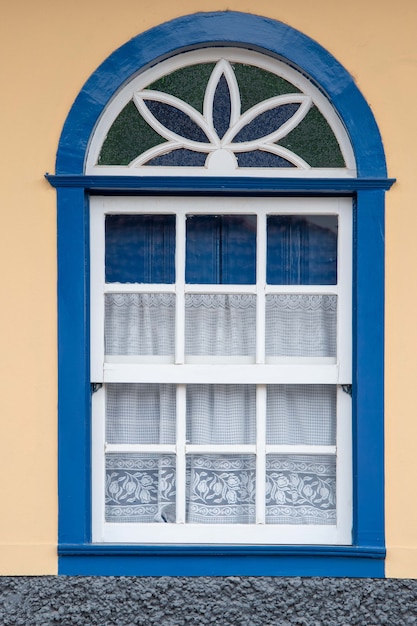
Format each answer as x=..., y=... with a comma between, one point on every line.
x=48, y=49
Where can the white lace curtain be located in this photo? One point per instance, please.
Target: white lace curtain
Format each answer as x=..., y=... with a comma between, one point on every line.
x=220, y=325
x=220, y=488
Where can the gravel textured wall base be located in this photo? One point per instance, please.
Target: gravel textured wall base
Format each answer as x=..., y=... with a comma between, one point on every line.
x=237, y=601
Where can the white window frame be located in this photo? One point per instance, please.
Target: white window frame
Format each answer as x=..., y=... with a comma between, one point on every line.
x=261, y=373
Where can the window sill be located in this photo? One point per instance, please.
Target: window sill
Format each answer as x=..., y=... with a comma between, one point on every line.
x=202, y=560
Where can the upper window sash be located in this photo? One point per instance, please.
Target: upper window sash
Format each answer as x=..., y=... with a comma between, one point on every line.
x=105, y=369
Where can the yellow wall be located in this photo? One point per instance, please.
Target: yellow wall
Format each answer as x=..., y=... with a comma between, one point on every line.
x=48, y=49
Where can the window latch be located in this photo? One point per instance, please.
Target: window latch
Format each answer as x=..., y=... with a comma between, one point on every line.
x=347, y=389
x=95, y=387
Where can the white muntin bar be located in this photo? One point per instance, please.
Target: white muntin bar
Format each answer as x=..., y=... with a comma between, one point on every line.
x=221, y=289
x=260, y=453
x=143, y=448
x=139, y=288
x=300, y=449
x=260, y=287
x=220, y=449
x=181, y=458
x=180, y=284
x=237, y=374
x=300, y=289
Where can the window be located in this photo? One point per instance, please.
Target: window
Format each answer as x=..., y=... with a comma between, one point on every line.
x=226, y=326
x=218, y=268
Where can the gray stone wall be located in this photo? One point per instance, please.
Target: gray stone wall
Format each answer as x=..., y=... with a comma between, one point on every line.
x=231, y=601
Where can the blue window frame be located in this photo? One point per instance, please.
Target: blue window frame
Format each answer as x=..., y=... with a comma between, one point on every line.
x=77, y=555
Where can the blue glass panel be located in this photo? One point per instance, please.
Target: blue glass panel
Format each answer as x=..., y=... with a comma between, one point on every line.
x=221, y=107
x=176, y=120
x=266, y=122
x=260, y=158
x=140, y=248
x=302, y=250
x=180, y=157
x=221, y=249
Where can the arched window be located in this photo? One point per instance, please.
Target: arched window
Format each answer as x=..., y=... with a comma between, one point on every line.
x=224, y=185
x=224, y=111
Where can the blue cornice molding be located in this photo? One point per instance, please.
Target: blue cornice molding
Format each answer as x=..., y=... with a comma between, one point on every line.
x=214, y=184
x=222, y=28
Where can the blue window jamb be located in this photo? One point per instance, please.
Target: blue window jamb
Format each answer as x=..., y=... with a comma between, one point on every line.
x=76, y=553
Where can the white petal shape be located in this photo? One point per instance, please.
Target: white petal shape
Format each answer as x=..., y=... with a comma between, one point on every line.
x=305, y=104
x=222, y=68
x=158, y=96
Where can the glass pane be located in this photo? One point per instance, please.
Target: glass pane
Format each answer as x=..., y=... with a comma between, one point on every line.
x=221, y=249
x=221, y=108
x=188, y=84
x=303, y=325
x=301, y=414
x=140, y=413
x=179, y=158
x=267, y=122
x=256, y=85
x=221, y=489
x=140, y=248
x=300, y=489
x=176, y=120
x=217, y=324
x=261, y=158
x=302, y=250
x=221, y=414
x=139, y=488
x=139, y=324
x=314, y=141
x=127, y=138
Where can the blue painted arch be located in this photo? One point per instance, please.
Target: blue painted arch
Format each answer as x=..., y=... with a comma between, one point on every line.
x=224, y=28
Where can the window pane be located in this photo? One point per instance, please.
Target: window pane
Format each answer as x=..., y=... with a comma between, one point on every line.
x=302, y=250
x=129, y=136
x=300, y=489
x=221, y=414
x=139, y=488
x=302, y=325
x=217, y=324
x=139, y=324
x=314, y=141
x=140, y=413
x=221, y=249
x=140, y=248
x=221, y=489
x=301, y=414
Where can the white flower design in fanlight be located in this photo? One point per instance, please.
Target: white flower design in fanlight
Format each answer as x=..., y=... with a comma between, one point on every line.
x=222, y=130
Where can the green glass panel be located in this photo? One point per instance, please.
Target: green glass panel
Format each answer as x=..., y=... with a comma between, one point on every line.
x=188, y=84
x=128, y=137
x=314, y=141
x=256, y=85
